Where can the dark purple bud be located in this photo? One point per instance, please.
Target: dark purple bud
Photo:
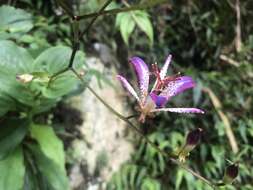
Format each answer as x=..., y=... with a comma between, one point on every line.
x=193, y=137
x=231, y=173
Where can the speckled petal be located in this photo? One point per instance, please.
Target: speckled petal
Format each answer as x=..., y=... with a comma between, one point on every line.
x=160, y=101
x=175, y=87
x=180, y=110
x=127, y=86
x=165, y=67
x=142, y=72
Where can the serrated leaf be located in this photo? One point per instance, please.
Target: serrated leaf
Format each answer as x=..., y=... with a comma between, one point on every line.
x=49, y=143
x=12, y=171
x=12, y=132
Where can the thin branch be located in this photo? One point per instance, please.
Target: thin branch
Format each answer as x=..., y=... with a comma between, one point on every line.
x=238, y=38
x=65, y=7
x=95, y=17
x=228, y=129
x=120, y=10
x=132, y=116
x=229, y=60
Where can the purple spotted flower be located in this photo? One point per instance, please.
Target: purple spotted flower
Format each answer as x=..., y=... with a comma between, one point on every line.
x=164, y=88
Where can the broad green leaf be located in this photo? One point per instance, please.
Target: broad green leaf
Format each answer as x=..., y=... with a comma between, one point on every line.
x=126, y=25
x=143, y=21
x=49, y=143
x=62, y=85
x=12, y=132
x=13, y=60
x=12, y=171
x=53, y=173
x=56, y=59
x=15, y=20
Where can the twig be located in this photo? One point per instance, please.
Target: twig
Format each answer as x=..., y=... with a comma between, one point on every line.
x=95, y=17
x=119, y=10
x=238, y=38
x=65, y=8
x=229, y=60
x=131, y=116
x=229, y=132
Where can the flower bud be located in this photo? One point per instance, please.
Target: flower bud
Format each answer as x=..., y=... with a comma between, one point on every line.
x=193, y=137
x=24, y=78
x=231, y=173
x=192, y=140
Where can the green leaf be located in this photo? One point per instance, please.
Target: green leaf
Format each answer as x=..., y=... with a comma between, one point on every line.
x=56, y=59
x=15, y=20
x=12, y=132
x=61, y=85
x=12, y=171
x=126, y=24
x=150, y=184
x=13, y=60
x=143, y=21
x=52, y=172
x=179, y=178
x=49, y=143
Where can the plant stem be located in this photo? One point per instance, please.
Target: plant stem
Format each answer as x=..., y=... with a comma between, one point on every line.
x=172, y=157
x=119, y=10
x=95, y=17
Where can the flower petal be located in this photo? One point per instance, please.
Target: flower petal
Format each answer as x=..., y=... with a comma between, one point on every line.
x=160, y=101
x=142, y=72
x=177, y=86
x=180, y=110
x=165, y=67
x=127, y=86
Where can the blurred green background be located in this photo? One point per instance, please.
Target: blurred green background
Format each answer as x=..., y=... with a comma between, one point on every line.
x=212, y=41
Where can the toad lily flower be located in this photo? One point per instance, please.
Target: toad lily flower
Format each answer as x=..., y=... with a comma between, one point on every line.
x=164, y=88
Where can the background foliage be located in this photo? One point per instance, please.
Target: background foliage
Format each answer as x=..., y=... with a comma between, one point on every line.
x=197, y=33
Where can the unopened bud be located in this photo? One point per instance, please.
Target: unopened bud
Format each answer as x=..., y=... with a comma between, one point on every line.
x=192, y=140
x=193, y=137
x=231, y=173
x=24, y=78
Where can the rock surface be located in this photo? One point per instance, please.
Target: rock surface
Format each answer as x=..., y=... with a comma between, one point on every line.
x=105, y=146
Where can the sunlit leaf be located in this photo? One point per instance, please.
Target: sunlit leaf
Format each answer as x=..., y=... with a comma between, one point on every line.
x=126, y=25
x=49, y=143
